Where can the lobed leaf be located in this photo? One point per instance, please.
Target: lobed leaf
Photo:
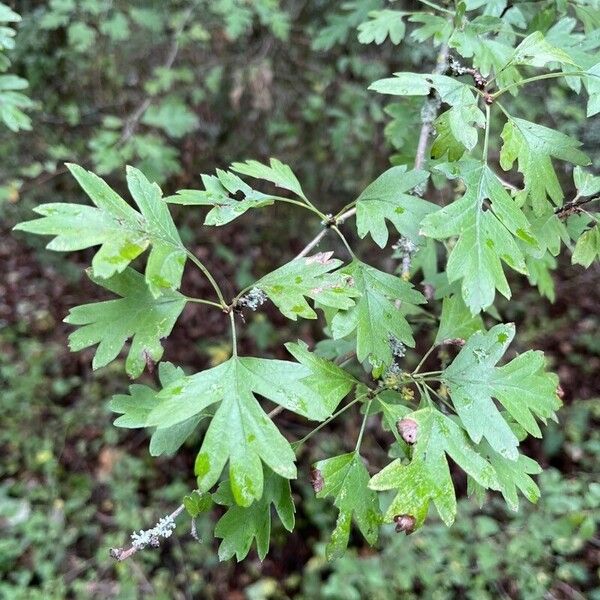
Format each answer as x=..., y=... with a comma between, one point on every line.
x=137, y=315
x=121, y=232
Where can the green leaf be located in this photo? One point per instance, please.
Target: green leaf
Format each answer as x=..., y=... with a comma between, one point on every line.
x=172, y=116
x=197, y=503
x=533, y=146
x=239, y=526
x=427, y=477
x=535, y=51
x=345, y=478
x=121, y=232
x=7, y=15
x=218, y=192
x=382, y=24
x=375, y=317
x=136, y=408
x=587, y=248
x=433, y=26
x=586, y=183
x=592, y=83
x=387, y=198
x=240, y=432
x=329, y=382
x=308, y=276
x=278, y=173
x=521, y=386
x=456, y=321
x=459, y=125
x=137, y=315
x=513, y=474
x=485, y=237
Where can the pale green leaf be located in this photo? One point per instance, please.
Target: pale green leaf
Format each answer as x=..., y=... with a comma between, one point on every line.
x=375, y=317
x=219, y=192
x=309, y=277
x=533, y=146
x=587, y=248
x=345, y=479
x=521, y=386
x=329, y=382
x=137, y=315
x=456, y=321
x=427, y=477
x=388, y=198
x=278, y=173
x=381, y=25
x=486, y=237
x=240, y=526
x=121, y=232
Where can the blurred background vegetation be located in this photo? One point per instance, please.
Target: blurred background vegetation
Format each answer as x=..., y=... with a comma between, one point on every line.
x=178, y=88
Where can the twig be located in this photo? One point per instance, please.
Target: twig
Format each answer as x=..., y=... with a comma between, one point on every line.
x=132, y=121
x=573, y=206
x=430, y=110
x=149, y=537
x=315, y=241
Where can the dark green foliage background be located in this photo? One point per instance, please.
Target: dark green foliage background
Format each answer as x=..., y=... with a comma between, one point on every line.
x=249, y=80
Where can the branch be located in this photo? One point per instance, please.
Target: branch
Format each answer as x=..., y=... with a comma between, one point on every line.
x=149, y=537
x=430, y=110
x=335, y=221
x=573, y=207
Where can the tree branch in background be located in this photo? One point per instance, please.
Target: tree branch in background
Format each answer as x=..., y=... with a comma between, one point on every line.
x=132, y=121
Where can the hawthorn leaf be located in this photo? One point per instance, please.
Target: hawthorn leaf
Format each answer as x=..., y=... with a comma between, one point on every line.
x=375, y=317
x=459, y=124
x=586, y=183
x=241, y=525
x=173, y=116
x=345, y=479
x=532, y=146
x=329, y=382
x=456, y=320
x=240, y=431
x=536, y=51
x=308, y=276
x=197, y=503
x=136, y=407
x=137, y=315
x=381, y=25
x=513, y=475
x=219, y=191
x=485, y=237
x=427, y=477
x=121, y=232
x=433, y=26
x=587, y=248
x=387, y=198
x=278, y=173
x=592, y=82
x=521, y=386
